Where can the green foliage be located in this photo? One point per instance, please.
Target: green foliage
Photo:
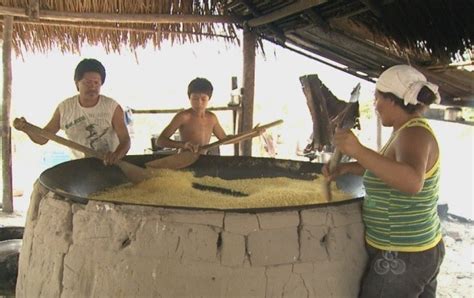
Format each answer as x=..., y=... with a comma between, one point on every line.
x=366, y=109
x=468, y=114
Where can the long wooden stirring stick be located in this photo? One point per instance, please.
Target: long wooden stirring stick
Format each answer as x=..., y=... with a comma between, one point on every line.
x=336, y=156
x=333, y=163
x=133, y=172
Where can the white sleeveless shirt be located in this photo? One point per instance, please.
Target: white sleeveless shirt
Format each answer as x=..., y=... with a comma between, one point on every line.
x=91, y=127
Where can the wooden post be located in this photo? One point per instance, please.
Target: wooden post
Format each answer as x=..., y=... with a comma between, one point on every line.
x=235, y=128
x=5, y=114
x=249, y=44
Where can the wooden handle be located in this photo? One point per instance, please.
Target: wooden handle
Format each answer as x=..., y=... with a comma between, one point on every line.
x=335, y=160
x=23, y=125
x=133, y=172
x=241, y=136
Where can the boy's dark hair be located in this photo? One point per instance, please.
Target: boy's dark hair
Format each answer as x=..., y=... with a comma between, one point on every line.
x=89, y=65
x=200, y=85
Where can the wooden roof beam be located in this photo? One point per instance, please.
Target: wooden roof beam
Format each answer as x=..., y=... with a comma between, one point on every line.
x=119, y=18
x=354, y=48
x=373, y=6
x=284, y=12
x=279, y=35
x=120, y=28
x=349, y=44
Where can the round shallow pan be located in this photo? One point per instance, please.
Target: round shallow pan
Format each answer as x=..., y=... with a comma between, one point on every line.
x=77, y=179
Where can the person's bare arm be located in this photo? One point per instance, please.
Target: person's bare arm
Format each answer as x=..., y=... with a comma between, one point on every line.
x=413, y=151
x=118, y=124
x=343, y=168
x=218, y=131
x=405, y=173
x=52, y=127
x=164, y=140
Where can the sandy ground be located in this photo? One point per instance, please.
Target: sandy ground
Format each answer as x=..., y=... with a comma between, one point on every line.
x=456, y=276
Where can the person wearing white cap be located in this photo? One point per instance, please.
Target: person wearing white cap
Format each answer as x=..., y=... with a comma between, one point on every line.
x=402, y=227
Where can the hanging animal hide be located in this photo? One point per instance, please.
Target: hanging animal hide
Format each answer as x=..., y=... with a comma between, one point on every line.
x=328, y=112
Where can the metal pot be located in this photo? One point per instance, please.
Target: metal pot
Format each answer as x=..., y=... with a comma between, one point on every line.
x=453, y=114
x=154, y=147
x=94, y=176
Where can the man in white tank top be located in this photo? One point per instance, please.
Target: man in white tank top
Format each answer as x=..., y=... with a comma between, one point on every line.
x=89, y=118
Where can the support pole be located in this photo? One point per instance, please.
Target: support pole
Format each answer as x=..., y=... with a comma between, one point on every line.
x=249, y=45
x=5, y=114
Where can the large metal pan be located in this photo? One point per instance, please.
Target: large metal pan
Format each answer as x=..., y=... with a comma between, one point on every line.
x=77, y=179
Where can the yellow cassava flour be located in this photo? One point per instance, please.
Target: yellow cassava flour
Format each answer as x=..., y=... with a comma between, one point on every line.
x=175, y=188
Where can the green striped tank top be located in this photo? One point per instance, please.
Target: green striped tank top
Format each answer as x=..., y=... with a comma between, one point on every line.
x=397, y=221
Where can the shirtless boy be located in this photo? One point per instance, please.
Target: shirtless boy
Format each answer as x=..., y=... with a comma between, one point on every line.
x=196, y=125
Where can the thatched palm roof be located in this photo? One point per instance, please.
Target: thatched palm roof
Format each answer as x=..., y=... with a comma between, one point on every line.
x=436, y=29
x=69, y=24
x=364, y=37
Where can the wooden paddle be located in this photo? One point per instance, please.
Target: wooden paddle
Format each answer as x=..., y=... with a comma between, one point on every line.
x=333, y=163
x=187, y=158
x=337, y=155
x=133, y=172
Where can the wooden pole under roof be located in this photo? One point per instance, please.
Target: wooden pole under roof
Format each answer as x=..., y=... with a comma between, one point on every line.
x=246, y=120
x=5, y=114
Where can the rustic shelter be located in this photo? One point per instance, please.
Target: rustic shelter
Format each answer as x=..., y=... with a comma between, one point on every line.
x=360, y=37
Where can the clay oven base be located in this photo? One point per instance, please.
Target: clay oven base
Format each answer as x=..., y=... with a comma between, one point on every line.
x=106, y=250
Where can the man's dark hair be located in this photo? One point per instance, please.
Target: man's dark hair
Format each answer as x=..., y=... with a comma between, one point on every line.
x=89, y=65
x=200, y=85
